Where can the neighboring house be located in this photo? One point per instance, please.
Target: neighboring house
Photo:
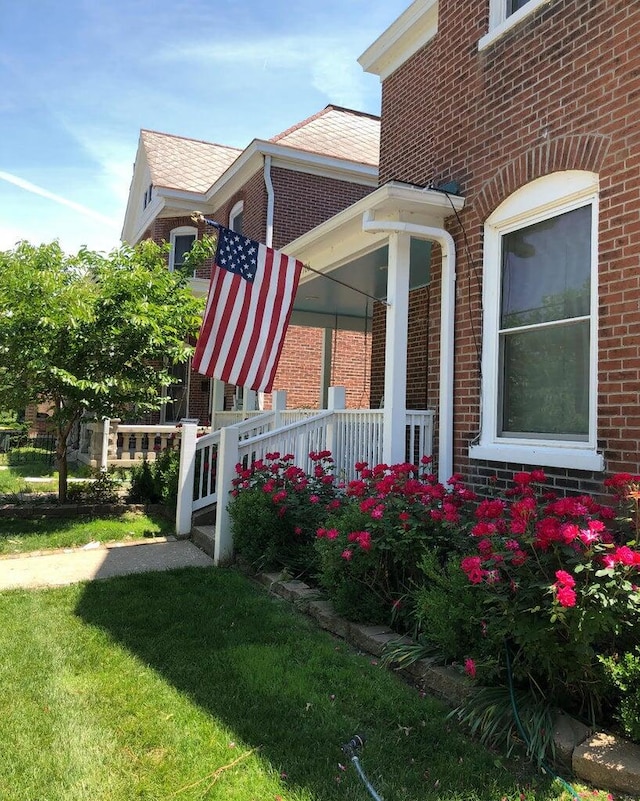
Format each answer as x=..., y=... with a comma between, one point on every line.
x=272, y=191
x=524, y=330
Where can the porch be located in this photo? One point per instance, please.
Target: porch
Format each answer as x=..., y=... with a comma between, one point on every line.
x=208, y=460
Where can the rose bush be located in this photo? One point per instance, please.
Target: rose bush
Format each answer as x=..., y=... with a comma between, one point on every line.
x=558, y=587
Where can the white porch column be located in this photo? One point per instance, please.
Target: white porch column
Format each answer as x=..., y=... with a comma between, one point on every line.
x=395, y=368
x=325, y=366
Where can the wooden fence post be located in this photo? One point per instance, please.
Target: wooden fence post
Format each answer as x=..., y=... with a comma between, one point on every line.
x=184, y=509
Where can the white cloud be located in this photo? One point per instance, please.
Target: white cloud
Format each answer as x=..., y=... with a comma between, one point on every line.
x=329, y=62
x=38, y=190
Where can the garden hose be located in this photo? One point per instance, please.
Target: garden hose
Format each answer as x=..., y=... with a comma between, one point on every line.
x=350, y=750
x=516, y=717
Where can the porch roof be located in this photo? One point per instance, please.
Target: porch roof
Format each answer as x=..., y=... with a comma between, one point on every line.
x=341, y=249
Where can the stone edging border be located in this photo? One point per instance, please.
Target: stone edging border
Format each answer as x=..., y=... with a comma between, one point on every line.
x=599, y=758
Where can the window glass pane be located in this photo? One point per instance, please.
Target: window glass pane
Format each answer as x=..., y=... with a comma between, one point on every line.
x=545, y=381
x=182, y=245
x=546, y=270
x=236, y=223
x=177, y=405
x=514, y=5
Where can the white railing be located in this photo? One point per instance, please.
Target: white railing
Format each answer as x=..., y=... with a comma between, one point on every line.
x=110, y=443
x=208, y=463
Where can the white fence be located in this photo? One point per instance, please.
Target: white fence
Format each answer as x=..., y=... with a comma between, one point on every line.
x=208, y=463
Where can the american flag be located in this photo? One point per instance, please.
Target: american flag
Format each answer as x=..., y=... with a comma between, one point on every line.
x=249, y=303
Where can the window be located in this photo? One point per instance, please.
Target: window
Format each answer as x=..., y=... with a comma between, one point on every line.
x=181, y=240
x=177, y=393
x=235, y=217
x=506, y=14
x=147, y=196
x=540, y=308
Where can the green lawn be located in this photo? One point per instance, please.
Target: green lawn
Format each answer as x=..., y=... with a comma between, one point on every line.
x=14, y=478
x=22, y=536
x=197, y=685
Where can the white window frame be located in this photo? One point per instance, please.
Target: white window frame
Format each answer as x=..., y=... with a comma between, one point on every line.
x=539, y=200
x=183, y=230
x=500, y=23
x=237, y=209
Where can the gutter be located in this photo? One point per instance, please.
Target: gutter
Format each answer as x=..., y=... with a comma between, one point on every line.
x=447, y=312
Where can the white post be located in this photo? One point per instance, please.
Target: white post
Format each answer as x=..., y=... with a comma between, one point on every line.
x=336, y=400
x=325, y=366
x=279, y=404
x=104, y=456
x=217, y=400
x=226, y=471
x=395, y=367
x=184, y=508
x=249, y=400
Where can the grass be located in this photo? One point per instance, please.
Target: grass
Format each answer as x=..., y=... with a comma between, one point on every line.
x=13, y=478
x=195, y=684
x=22, y=536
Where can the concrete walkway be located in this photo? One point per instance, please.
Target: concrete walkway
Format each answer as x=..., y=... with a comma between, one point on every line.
x=97, y=561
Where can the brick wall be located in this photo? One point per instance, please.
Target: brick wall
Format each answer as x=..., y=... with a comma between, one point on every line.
x=559, y=91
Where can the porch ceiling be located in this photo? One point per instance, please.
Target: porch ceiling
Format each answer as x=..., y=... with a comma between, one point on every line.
x=342, y=250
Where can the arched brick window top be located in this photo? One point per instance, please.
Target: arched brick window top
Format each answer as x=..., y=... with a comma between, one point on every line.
x=580, y=152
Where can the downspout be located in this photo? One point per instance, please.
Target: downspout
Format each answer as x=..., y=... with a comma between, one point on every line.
x=270, y=201
x=447, y=313
x=269, y=228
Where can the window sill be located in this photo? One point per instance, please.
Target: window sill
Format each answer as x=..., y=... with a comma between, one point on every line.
x=510, y=22
x=572, y=458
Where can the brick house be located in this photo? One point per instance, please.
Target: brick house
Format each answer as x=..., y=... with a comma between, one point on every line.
x=523, y=329
x=271, y=191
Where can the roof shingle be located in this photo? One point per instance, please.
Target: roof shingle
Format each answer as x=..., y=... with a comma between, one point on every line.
x=338, y=132
x=190, y=165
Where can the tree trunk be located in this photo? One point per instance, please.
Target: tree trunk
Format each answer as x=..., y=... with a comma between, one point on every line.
x=61, y=462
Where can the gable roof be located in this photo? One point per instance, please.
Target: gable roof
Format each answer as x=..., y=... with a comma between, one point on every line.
x=337, y=132
x=191, y=165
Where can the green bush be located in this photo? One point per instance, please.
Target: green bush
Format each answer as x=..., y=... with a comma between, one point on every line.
x=276, y=509
x=104, y=489
x=623, y=681
x=370, y=549
x=156, y=482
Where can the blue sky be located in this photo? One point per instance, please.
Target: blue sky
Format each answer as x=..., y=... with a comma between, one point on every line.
x=81, y=77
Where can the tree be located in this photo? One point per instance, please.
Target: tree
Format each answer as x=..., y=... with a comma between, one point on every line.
x=90, y=333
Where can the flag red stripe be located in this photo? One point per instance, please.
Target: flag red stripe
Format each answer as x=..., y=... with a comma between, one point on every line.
x=297, y=267
x=204, y=339
x=264, y=367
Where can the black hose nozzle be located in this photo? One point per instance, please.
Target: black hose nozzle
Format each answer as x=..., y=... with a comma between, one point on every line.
x=354, y=745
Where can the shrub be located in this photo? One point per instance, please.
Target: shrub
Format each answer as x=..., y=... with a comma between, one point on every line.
x=622, y=674
x=156, y=482
x=556, y=587
x=103, y=489
x=371, y=549
x=276, y=508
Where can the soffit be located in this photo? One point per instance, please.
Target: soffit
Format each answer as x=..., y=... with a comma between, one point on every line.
x=402, y=39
